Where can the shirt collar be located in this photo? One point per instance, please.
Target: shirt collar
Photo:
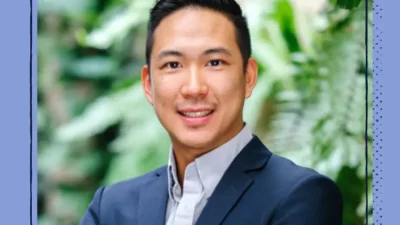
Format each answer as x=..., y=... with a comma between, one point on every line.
x=212, y=165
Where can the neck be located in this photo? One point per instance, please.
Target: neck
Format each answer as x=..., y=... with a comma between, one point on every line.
x=184, y=155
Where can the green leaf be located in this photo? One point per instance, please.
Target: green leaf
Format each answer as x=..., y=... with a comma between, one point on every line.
x=46, y=220
x=93, y=67
x=348, y=4
x=86, y=165
x=351, y=193
x=70, y=205
x=118, y=27
x=102, y=113
x=74, y=8
x=284, y=15
x=51, y=157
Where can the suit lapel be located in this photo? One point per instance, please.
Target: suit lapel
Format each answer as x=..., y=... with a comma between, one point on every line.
x=153, y=201
x=235, y=182
x=224, y=198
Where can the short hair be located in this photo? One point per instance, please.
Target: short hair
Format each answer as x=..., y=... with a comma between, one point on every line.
x=229, y=8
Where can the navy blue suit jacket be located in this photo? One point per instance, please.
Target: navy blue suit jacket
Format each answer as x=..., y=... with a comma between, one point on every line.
x=259, y=188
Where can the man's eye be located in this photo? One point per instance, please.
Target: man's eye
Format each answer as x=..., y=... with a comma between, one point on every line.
x=216, y=62
x=172, y=65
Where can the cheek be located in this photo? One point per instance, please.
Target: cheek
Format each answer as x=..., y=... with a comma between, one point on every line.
x=229, y=87
x=165, y=91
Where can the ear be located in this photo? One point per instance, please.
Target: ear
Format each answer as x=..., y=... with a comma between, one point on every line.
x=146, y=84
x=251, y=76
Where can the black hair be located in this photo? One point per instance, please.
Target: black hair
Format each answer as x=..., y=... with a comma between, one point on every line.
x=229, y=8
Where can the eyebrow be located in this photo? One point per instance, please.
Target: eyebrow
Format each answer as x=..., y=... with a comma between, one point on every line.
x=166, y=53
x=220, y=50
x=210, y=51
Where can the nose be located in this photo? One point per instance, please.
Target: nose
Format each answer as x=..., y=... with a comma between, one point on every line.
x=196, y=86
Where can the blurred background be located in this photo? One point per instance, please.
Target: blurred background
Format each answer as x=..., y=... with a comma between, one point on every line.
x=96, y=128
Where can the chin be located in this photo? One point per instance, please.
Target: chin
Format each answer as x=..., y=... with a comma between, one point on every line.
x=196, y=141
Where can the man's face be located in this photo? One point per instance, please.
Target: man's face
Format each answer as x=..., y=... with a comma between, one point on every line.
x=196, y=81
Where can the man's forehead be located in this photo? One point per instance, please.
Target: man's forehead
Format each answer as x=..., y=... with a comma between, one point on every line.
x=194, y=21
x=192, y=31
x=210, y=51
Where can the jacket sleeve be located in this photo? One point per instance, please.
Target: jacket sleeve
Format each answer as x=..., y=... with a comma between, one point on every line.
x=314, y=201
x=92, y=214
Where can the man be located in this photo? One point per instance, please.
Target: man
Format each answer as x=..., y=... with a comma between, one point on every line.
x=198, y=74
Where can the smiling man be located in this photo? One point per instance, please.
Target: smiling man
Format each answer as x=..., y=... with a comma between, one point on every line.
x=198, y=74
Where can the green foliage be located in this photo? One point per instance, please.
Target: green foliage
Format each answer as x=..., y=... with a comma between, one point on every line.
x=348, y=4
x=96, y=128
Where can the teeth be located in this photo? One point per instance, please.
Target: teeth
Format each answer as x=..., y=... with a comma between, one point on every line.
x=196, y=114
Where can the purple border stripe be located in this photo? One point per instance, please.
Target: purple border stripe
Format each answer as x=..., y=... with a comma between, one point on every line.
x=387, y=61
x=18, y=113
x=377, y=114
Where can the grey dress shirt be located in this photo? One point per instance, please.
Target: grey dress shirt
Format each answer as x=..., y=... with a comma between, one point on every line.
x=200, y=179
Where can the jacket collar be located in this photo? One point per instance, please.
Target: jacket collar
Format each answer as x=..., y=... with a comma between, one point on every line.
x=234, y=183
